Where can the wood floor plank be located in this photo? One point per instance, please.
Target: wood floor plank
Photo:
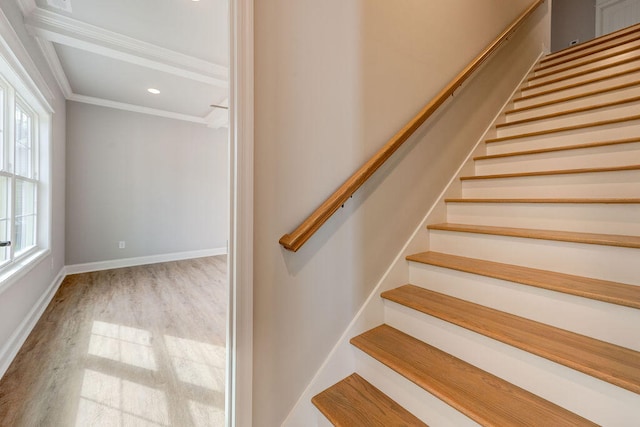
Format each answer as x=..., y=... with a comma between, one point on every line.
x=354, y=402
x=618, y=365
x=481, y=396
x=601, y=290
x=145, y=344
x=556, y=235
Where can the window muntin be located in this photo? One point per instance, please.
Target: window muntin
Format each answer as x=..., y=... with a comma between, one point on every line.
x=19, y=183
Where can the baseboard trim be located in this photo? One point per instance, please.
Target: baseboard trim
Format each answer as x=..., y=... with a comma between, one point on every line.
x=9, y=351
x=151, y=259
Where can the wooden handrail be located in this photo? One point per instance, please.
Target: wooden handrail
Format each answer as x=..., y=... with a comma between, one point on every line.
x=294, y=240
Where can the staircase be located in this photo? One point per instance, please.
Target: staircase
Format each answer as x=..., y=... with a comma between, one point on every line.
x=526, y=308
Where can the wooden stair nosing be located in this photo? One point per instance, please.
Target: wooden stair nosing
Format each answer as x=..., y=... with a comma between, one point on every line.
x=571, y=98
x=616, y=240
x=524, y=96
x=567, y=201
x=615, y=103
x=594, y=42
x=585, y=62
x=579, y=73
x=585, y=287
x=355, y=402
x=557, y=149
x=481, y=396
x=566, y=128
x=608, y=362
x=585, y=54
x=552, y=172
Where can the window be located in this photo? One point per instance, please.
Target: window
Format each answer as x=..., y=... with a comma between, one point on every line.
x=24, y=220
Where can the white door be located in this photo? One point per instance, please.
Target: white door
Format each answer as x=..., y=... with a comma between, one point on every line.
x=613, y=15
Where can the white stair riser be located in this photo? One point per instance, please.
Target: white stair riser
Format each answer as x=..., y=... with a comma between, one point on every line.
x=587, y=135
x=413, y=398
x=582, y=394
x=580, y=66
x=619, y=184
x=541, y=97
x=538, y=86
x=593, y=51
x=603, y=156
x=586, y=101
x=607, y=322
x=612, y=263
x=623, y=219
x=600, y=114
x=580, y=86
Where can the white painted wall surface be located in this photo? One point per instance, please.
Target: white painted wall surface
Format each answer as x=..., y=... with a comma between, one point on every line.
x=158, y=184
x=333, y=81
x=21, y=304
x=613, y=15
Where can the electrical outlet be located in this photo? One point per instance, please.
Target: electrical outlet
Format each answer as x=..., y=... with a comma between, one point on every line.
x=574, y=42
x=122, y=244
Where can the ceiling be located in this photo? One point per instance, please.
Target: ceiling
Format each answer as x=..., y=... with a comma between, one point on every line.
x=109, y=52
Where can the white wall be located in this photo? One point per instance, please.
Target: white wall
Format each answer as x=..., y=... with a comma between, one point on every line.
x=21, y=304
x=158, y=184
x=333, y=81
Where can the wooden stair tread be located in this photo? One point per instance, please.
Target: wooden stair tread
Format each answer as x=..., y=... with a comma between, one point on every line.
x=601, y=290
x=565, y=129
x=549, y=62
x=589, y=44
x=629, y=201
x=575, y=85
x=479, y=395
x=532, y=85
x=562, y=148
x=555, y=235
x=585, y=61
x=572, y=97
x=615, y=103
x=355, y=402
x=617, y=365
x=552, y=172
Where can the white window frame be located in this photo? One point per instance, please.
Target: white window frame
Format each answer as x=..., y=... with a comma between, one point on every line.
x=21, y=89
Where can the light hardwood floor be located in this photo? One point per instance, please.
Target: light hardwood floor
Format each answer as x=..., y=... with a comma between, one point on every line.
x=139, y=346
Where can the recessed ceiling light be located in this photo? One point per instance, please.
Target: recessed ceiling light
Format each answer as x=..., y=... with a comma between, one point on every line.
x=153, y=91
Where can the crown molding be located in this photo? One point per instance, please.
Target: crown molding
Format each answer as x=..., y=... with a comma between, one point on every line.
x=61, y=29
x=17, y=56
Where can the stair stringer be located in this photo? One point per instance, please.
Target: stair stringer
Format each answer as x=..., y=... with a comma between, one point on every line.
x=344, y=359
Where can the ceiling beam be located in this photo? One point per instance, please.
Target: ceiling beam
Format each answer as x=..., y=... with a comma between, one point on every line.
x=61, y=29
x=136, y=108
